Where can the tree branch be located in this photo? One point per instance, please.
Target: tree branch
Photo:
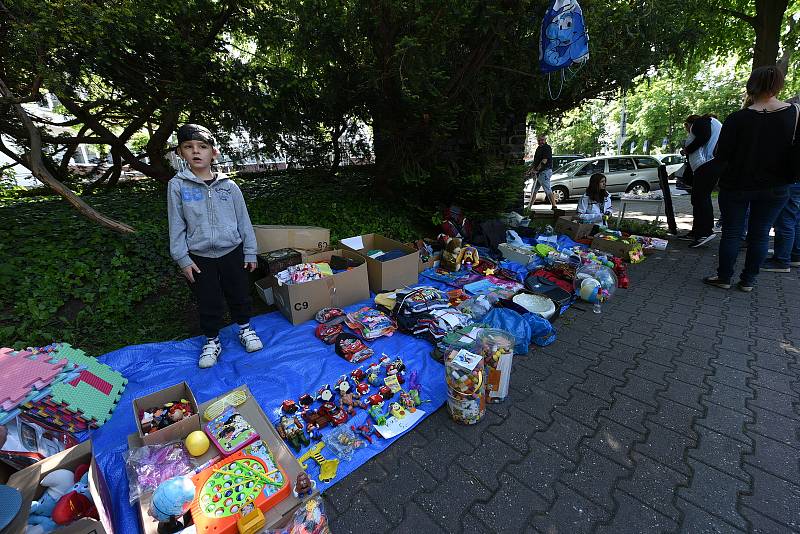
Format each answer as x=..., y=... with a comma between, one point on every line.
x=38, y=168
x=750, y=19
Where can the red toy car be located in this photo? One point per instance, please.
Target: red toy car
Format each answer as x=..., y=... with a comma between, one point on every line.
x=336, y=415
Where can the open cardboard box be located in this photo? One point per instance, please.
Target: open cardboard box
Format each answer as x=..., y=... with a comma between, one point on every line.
x=617, y=248
x=27, y=482
x=519, y=255
x=573, y=229
x=278, y=515
x=155, y=400
x=300, y=302
x=271, y=237
x=386, y=275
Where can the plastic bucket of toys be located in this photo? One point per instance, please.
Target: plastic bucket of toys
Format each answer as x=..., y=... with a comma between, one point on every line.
x=497, y=348
x=466, y=386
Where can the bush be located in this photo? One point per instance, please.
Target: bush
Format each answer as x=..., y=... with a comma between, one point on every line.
x=67, y=279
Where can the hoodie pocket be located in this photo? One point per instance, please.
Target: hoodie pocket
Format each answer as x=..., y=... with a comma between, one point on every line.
x=227, y=237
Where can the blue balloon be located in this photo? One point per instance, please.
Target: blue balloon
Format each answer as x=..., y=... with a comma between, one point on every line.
x=564, y=39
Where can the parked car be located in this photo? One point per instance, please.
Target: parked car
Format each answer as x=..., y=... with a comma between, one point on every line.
x=628, y=173
x=560, y=160
x=673, y=162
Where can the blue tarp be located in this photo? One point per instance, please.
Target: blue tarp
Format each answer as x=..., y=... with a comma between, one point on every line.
x=292, y=362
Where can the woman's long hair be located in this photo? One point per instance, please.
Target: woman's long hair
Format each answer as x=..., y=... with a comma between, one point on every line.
x=594, y=192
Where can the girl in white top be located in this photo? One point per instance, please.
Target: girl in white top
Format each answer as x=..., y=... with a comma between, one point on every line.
x=596, y=202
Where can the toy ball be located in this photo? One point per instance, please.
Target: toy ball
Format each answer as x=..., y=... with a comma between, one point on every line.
x=591, y=278
x=197, y=443
x=172, y=498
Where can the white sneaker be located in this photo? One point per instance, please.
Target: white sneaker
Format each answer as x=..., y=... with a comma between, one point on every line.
x=211, y=351
x=249, y=340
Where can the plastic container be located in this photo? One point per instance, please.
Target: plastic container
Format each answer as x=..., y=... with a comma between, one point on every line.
x=466, y=387
x=497, y=348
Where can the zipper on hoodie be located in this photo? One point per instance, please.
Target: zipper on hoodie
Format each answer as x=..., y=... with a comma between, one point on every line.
x=211, y=215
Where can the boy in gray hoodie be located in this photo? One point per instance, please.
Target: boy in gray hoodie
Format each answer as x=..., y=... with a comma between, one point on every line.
x=212, y=240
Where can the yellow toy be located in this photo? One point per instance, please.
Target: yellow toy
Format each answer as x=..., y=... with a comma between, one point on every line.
x=251, y=519
x=327, y=468
x=197, y=443
x=215, y=409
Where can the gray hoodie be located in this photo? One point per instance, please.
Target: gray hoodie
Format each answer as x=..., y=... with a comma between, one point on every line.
x=208, y=221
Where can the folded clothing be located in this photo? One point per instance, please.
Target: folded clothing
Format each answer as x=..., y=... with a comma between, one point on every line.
x=303, y=272
x=371, y=323
x=391, y=255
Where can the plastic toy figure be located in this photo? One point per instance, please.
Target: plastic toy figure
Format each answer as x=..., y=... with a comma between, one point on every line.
x=365, y=431
x=362, y=389
x=171, y=501
x=178, y=410
x=347, y=399
x=374, y=399
x=334, y=413
x=373, y=374
x=397, y=411
x=291, y=429
x=303, y=485
x=358, y=375
x=395, y=367
x=386, y=392
x=376, y=412
x=325, y=393
x=408, y=402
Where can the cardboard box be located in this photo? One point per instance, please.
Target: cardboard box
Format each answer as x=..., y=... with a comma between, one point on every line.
x=520, y=255
x=264, y=290
x=615, y=248
x=27, y=482
x=300, y=302
x=432, y=262
x=386, y=275
x=273, y=237
x=278, y=515
x=573, y=229
x=178, y=430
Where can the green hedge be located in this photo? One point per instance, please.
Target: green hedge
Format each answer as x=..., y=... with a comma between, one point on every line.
x=67, y=279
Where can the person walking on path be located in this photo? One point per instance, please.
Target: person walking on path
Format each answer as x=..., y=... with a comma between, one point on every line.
x=754, y=152
x=700, y=153
x=543, y=167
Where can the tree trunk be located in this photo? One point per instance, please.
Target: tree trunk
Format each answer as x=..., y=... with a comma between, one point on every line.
x=767, y=24
x=38, y=168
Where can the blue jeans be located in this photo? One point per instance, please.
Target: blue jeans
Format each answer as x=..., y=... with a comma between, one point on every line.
x=764, y=207
x=787, y=229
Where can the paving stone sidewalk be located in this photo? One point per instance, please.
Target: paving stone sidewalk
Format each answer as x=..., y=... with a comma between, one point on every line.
x=675, y=410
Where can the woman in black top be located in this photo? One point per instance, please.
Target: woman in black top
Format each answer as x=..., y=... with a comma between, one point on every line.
x=754, y=150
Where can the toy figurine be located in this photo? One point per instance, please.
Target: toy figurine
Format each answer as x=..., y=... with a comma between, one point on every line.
x=171, y=500
x=385, y=392
x=334, y=413
x=365, y=431
x=325, y=393
x=376, y=412
x=303, y=485
x=314, y=420
x=408, y=402
x=362, y=389
x=327, y=468
x=396, y=410
x=450, y=255
x=178, y=410
x=373, y=374
x=358, y=375
x=348, y=400
x=291, y=429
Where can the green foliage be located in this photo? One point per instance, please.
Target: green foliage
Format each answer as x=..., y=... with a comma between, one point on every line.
x=67, y=279
x=641, y=227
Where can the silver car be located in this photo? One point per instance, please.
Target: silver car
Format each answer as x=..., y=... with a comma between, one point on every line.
x=623, y=174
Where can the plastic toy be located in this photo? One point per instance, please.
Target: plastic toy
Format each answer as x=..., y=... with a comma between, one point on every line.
x=303, y=485
x=171, y=500
x=291, y=429
x=327, y=468
x=373, y=374
x=407, y=401
x=325, y=393
x=225, y=488
x=73, y=506
x=215, y=409
x=386, y=392
x=362, y=389
x=358, y=375
x=343, y=442
x=308, y=519
x=197, y=443
x=366, y=431
x=313, y=419
x=376, y=412
x=334, y=413
x=157, y=418
x=395, y=367
x=397, y=411
x=251, y=519
x=230, y=431
x=347, y=399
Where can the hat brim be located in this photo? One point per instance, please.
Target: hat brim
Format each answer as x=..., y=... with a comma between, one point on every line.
x=10, y=504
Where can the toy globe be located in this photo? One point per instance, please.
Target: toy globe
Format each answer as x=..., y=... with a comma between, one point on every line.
x=197, y=443
x=595, y=283
x=172, y=498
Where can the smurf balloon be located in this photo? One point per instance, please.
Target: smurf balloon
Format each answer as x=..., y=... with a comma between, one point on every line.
x=564, y=39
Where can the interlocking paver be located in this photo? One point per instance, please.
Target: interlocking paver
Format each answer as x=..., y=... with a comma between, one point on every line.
x=614, y=441
x=488, y=460
x=540, y=469
x=720, y=451
x=715, y=492
x=595, y=477
x=774, y=497
x=777, y=427
x=453, y=497
x=633, y=516
x=510, y=507
x=666, y=446
x=654, y=484
x=572, y=512
x=775, y=458
x=699, y=521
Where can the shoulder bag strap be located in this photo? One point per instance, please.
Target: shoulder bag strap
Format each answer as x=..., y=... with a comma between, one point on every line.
x=796, y=117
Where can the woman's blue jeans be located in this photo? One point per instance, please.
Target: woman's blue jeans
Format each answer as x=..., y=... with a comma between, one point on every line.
x=765, y=204
x=787, y=229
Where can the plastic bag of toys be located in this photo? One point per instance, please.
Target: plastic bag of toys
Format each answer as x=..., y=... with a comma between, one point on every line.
x=310, y=518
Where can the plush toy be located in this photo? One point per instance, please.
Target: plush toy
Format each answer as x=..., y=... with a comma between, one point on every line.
x=450, y=256
x=468, y=256
x=66, y=500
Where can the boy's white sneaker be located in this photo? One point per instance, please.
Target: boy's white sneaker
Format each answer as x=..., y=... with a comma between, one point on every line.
x=210, y=353
x=249, y=340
